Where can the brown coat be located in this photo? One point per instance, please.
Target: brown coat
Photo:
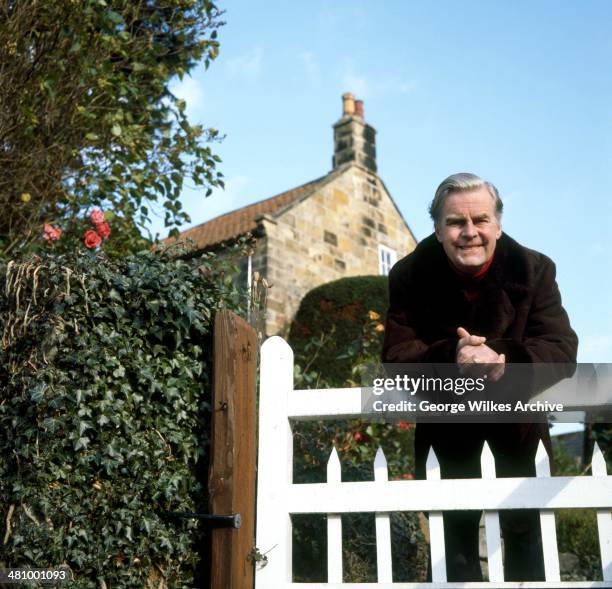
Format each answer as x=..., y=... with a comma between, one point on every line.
x=518, y=310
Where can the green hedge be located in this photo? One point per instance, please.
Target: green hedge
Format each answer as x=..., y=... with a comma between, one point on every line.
x=339, y=311
x=103, y=414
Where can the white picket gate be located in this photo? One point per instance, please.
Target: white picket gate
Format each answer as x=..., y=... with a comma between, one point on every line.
x=278, y=498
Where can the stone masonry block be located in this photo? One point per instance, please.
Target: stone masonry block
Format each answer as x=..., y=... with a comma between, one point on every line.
x=340, y=197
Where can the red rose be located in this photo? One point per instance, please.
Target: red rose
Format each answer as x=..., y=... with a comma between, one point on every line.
x=405, y=425
x=51, y=233
x=103, y=230
x=358, y=437
x=97, y=216
x=92, y=239
x=408, y=476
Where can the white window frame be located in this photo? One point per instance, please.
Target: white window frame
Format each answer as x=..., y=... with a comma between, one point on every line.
x=386, y=258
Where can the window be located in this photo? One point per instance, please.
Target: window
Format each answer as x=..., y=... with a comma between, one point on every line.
x=386, y=258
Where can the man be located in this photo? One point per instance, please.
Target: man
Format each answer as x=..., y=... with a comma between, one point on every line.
x=469, y=294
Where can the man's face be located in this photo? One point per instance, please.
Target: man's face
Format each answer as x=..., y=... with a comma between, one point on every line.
x=468, y=229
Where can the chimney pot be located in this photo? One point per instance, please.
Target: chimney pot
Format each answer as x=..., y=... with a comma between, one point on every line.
x=359, y=108
x=348, y=104
x=354, y=139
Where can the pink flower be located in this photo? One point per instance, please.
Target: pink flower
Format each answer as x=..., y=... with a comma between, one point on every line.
x=92, y=239
x=97, y=216
x=103, y=230
x=51, y=233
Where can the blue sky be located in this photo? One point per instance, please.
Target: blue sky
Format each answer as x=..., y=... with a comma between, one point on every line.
x=519, y=93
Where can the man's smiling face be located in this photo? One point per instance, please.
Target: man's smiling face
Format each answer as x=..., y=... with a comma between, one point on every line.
x=468, y=229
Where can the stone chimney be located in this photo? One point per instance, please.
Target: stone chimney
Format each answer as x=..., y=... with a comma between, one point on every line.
x=354, y=139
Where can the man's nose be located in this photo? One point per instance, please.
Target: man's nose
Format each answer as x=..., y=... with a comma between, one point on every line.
x=469, y=230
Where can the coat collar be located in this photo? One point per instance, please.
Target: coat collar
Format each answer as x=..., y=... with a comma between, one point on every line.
x=510, y=269
x=440, y=293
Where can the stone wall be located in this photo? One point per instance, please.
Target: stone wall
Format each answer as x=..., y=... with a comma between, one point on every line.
x=331, y=234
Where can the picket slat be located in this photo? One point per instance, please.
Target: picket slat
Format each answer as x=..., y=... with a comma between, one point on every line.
x=383, y=525
x=492, y=530
x=334, y=525
x=547, y=522
x=604, y=517
x=436, y=525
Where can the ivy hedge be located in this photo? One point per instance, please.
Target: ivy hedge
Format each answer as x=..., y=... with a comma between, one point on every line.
x=104, y=406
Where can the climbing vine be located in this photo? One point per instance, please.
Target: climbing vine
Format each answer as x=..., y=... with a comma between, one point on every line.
x=105, y=372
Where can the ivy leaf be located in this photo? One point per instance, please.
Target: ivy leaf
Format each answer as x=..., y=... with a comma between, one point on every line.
x=81, y=443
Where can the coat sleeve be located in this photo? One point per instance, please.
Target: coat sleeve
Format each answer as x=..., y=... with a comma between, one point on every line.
x=548, y=338
x=401, y=342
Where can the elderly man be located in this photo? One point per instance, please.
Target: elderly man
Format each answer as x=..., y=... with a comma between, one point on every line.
x=469, y=294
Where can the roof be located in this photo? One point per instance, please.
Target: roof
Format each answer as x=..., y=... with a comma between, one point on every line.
x=244, y=220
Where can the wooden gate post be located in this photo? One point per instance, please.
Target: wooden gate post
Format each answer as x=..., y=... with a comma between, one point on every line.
x=231, y=479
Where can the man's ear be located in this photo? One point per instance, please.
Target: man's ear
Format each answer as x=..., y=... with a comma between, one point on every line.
x=499, y=230
x=437, y=232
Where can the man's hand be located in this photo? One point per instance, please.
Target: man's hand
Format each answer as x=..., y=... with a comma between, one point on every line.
x=471, y=349
x=467, y=341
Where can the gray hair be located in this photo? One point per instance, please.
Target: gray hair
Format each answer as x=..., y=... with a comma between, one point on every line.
x=464, y=182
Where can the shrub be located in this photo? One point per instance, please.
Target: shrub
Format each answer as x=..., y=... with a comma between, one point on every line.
x=576, y=528
x=577, y=534
x=338, y=308
x=103, y=413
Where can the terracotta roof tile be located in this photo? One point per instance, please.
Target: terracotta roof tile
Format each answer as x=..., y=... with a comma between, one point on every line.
x=241, y=221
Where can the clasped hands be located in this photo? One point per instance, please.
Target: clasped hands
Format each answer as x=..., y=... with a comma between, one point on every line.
x=472, y=352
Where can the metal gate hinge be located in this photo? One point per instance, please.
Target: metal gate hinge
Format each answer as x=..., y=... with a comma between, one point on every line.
x=214, y=521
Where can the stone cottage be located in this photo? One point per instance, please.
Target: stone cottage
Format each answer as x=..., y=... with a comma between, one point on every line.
x=342, y=224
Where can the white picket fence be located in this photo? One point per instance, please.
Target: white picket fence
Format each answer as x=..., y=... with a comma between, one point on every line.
x=278, y=498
